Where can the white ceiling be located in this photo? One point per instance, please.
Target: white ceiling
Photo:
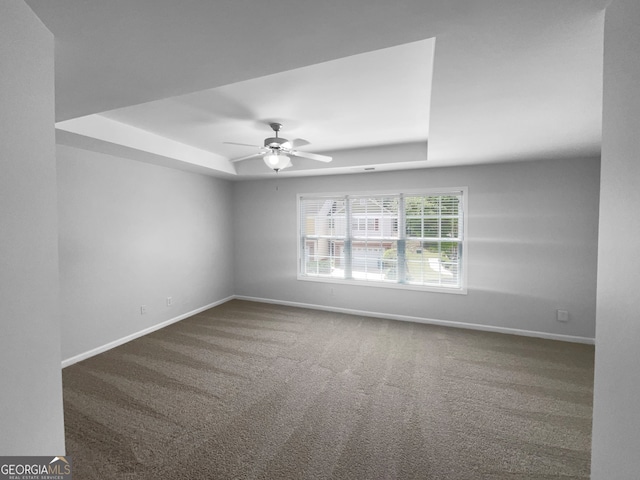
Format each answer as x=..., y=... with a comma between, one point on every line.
x=375, y=84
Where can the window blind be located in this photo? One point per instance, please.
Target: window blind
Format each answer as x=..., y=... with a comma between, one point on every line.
x=393, y=239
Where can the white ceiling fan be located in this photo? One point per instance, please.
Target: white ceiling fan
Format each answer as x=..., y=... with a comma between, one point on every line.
x=277, y=150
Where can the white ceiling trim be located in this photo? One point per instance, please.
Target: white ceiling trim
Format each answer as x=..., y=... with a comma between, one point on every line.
x=372, y=99
x=104, y=129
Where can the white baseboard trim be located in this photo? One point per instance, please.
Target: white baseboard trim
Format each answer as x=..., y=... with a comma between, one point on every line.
x=430, y=321
x=404, y=318
x=133, y=336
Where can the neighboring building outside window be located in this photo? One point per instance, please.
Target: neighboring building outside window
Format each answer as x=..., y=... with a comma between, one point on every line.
x=405, y=240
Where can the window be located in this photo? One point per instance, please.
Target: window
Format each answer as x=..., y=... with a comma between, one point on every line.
x=408, y=240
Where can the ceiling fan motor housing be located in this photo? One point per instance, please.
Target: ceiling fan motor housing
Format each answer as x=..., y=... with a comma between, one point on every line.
x=275, y=142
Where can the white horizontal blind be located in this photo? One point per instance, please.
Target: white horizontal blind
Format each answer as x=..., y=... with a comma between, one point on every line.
x=434, y=239
x=405, y=239
x=323, y=232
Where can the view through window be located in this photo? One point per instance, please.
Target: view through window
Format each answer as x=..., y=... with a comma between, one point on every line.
x=394, y=239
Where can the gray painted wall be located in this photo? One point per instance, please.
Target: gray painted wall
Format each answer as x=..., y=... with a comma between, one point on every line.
x=616, y=415
x=133, y=234
x=31, y=420
x=532, y=233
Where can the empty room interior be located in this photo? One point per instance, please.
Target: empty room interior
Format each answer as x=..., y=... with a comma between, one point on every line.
x=321, y=239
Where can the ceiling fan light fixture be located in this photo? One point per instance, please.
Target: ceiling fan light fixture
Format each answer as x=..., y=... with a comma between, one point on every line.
x=277, y=161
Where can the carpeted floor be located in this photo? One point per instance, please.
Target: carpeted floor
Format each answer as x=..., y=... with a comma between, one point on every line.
x=256, y=391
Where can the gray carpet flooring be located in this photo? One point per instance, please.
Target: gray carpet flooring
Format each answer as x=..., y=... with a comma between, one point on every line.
x=255, y=391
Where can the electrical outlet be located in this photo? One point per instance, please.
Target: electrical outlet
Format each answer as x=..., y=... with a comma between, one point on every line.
x=143, y=309
x=562, y=315
x=169, y=301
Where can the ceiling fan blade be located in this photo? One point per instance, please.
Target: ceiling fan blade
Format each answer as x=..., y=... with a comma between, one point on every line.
x=312, y=156
x=242, y=144
x=299, y=142
x=247, y=157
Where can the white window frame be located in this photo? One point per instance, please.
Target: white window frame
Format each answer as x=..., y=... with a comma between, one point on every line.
x=460, y=290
